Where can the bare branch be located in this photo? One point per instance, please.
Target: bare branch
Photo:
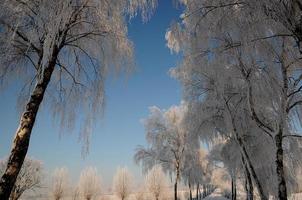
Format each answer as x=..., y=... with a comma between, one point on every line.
x=22, y=36
x=295, y=136
x=297, y=103
x=69, y=73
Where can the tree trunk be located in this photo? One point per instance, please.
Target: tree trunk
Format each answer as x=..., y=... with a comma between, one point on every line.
x=15, y=195
x=176, y=182
x=234, y=189
x=252, y=170
x=200, y=193
x=197, y=188
x=282, y=190
x=249, y=163
x=249, y=188
x=23, y=133
x=190, y=190
x=175, y=190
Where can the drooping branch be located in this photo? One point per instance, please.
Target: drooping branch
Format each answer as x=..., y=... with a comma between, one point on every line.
x=22, y=36
x=79, y=36
x=271, y=36
x=70, y=74
x=294, y=136
x=297, y=103
x=295, y=92
x=246, y=74
x=209, y=8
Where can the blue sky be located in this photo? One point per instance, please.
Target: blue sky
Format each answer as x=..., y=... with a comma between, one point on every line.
x=127, y=100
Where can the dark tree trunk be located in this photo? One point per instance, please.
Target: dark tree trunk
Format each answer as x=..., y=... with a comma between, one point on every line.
x=176, y=182
x=252, y=170
x=197, y=188
x=234, y=189
x=23, y=133
x=190, y=190
x=200, y=193
x=175, y=190
x=249, y=188
x=14, y=196
x=282, y=190
x=249, y=163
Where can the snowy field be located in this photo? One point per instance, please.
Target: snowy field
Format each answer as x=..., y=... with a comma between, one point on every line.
x=296, y=197
x=183, y=195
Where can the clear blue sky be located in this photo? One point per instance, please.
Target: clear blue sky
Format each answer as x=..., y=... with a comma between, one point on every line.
x=127, y=100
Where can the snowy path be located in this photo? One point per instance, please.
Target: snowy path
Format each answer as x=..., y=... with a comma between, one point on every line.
x=215, y=196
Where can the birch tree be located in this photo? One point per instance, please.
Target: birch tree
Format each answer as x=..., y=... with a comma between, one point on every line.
x=75, y=193
x=122, y=183
x=89, y=184
x=29, y=179
x=285, y=13
x=168, y=140
x=219, y=112
x=197, y=170
x=60, y=183
x=267, y=70
x=62, y=51
x=140, y=193
x=156, y=182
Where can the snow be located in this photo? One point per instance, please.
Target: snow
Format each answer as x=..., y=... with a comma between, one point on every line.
x=216, y=195
x=297, y=196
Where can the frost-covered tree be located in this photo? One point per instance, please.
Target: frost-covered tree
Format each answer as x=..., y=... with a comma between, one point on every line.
x=29, y=179
x=192, y=171
x=221, y=178
x=65, y=48
x=204, y=171
x=140, y=193
x=89, y=184
x=260, y=89
x=75, y=193
x=215, y=113
x=197, y=170
x=168, y=140
x=60, y=183
x=156, y=182
x=122, y=183
x=232, y=162
x=285, y=13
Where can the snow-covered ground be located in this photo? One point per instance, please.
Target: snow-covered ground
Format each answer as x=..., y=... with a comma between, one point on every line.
x=296, y=197
x=215, y=196
x=183, y=195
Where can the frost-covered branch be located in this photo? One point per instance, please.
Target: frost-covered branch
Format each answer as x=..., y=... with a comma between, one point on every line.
x=297, y=103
